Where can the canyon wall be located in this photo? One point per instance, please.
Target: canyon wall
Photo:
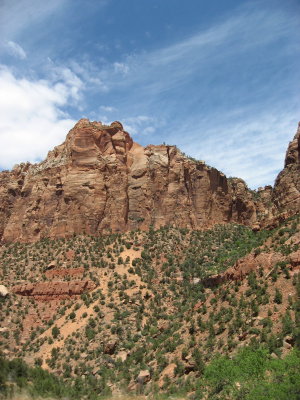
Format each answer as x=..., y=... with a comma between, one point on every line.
x=99, y=181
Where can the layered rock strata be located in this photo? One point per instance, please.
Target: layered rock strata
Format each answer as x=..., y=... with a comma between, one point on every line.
x=100, y=181
x=54, y=290
x=286, y=194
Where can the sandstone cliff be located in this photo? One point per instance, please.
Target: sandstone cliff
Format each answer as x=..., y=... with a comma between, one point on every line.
x=287, y=186
x=99, y=180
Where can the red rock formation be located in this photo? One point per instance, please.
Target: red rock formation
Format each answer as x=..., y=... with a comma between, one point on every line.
x=295, y=259
x=99, y=181
x=54, y=290
x=243, y=267
x=252, y=262
x=287, y=186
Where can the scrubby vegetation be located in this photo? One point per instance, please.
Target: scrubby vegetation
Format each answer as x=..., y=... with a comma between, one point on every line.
x=250, y=375
x=17, y=377
x=154, y=309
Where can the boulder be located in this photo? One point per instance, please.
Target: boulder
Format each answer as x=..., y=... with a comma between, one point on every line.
x=295, y=258
x=143, y=377
x=50, y=266
x=169, y=372
x=122, y=355
x=110, y=347
x=3, y=291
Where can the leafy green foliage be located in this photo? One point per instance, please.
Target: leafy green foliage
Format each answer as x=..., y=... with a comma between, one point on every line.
x=252, y=375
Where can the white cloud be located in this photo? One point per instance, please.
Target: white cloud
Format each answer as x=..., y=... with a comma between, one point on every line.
x=89, y=73
x=16, y=50
x=121, y=68
x=73, y=85
x=138, y=125
x=32, y=120
x=141, y=124
x=108, y=109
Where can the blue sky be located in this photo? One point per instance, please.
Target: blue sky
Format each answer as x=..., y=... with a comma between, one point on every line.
x=220, y=79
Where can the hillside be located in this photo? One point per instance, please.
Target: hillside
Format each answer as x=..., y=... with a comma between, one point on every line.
x=155, y=306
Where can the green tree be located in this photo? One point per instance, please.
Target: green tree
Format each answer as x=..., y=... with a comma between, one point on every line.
x=55, y=332
x=278, y=296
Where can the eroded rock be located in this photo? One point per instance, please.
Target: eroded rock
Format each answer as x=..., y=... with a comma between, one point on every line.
x=54, y=290
x=99, y=181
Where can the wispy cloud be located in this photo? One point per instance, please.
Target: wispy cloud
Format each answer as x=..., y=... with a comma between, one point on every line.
x=90, y=74
x=252, y=148
x=16, y=50
x=164, y=69
x=122, y=68
x=140, y=124
x=17, y=15
x=71, y=82
x=108, y=109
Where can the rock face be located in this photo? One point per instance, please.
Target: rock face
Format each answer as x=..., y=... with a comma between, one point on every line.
x=100, y=181
x=243, y=267
x=54, y=290
x=143, y=377
x=287, y=186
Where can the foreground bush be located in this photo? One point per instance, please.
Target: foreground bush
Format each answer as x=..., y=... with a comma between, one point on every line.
x=15, y=376
x=252, y=375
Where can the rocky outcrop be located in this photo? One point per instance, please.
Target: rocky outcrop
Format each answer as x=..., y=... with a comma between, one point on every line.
x=287, y=186
x=54, y=290
x=255, y=262
x=243, y=267
x=143, y=377
x=11, y=183
x=110, y=347
x=295, y=258
x=99, y=181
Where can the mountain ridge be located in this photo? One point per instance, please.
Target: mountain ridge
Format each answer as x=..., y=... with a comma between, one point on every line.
x=100, y=181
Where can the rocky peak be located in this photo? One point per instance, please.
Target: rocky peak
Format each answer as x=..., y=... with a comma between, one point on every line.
x=286, y=195
x=88, y=141
x=293, y=151
x=100, y=181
